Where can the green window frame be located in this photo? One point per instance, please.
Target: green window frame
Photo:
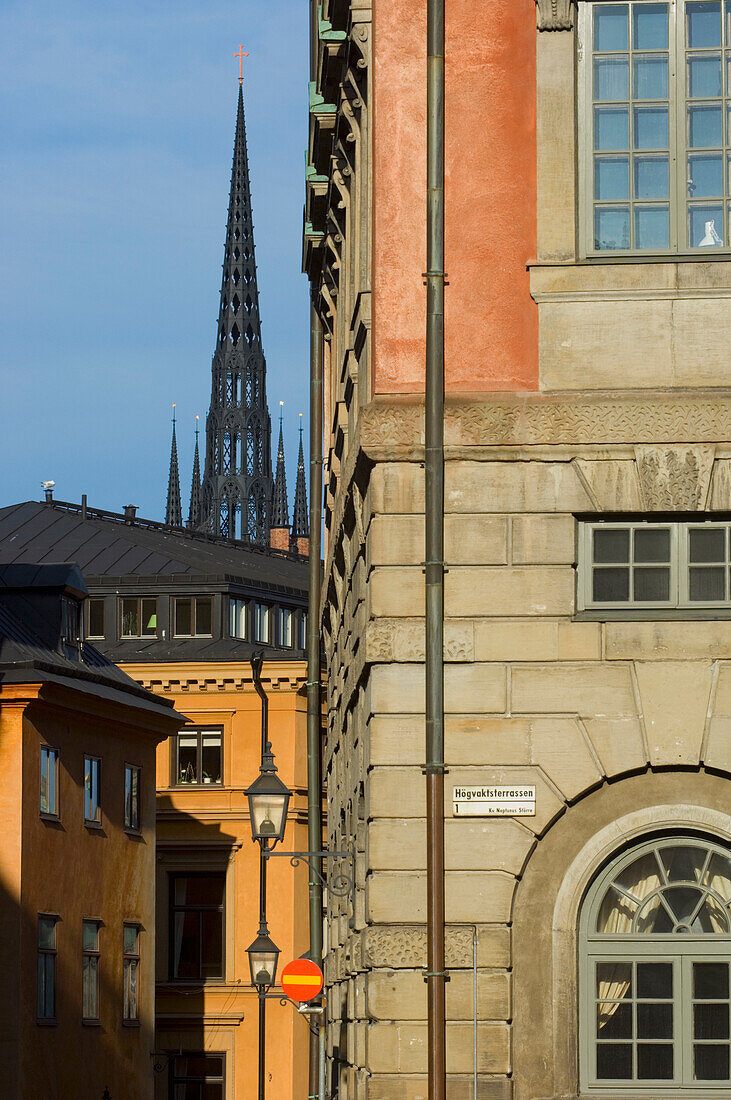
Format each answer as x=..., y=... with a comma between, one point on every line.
x=682, y=565
x=655, y=127
x=655, y=972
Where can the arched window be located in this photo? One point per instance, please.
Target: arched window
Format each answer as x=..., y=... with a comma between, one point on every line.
x=655, y=950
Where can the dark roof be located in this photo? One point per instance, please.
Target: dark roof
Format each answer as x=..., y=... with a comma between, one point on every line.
x=25, y=656
x=61, y=576
x=107, y=544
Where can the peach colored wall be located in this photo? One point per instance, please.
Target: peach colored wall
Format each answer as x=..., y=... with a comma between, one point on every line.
x=491, y=325
x=79, y=872
x=198, y=827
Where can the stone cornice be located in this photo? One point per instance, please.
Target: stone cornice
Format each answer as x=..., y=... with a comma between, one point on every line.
x=210, y=679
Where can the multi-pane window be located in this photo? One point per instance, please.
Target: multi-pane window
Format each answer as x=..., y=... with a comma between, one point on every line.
x=284, y=619
x=193, y=617
x=139, y=617
x=196, y=926
x=49, y=781
x=46, y=1006
x=261, y=622
x=238, y=618
x=132, y=797
x=92, y=782
x=673, y=564
x=131, y=965
x=657, y=103
x=197, y=1077
x=90, y=969
x=95, y=618
x=302, y=631
x=654, y=986
x=198, y=757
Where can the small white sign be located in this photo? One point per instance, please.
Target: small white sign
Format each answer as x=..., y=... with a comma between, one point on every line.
x=502, y=801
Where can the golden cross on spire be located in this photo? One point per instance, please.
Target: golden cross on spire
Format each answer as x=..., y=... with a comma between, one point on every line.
x=241, y=55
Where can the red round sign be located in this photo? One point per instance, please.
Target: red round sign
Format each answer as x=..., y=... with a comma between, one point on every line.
x=301, y=979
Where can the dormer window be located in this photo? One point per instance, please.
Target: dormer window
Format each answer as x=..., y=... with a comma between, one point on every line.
x=70, y=622
x=139, y=618
x=193, y=617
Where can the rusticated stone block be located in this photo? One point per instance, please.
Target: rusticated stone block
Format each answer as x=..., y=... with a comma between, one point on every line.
x=470, y=896
x=618, y=743
x=497, y=487
x=471, y=844
x=414, y=1087
x=401, y=1048
x=558, y=745
x=501, y=593
x=401, y=995
x=674, y=697
x=543, y=540
x=662, y=641
x=473, y=688
x=589, y=690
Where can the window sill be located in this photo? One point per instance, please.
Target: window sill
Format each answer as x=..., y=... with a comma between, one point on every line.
x=611, y=277
x=50, y=819
x=94, y=826
x=654, y=614
x=133, y=834
x=91, y=1023
x=131, y=1023
x=43, y=1022
x=196, y=786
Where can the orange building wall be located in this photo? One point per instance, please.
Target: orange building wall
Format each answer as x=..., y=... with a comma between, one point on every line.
x=207, y=826
x=77, y=872
x=491, y=325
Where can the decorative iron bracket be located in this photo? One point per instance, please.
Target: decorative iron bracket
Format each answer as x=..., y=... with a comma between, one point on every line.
x=339, y=884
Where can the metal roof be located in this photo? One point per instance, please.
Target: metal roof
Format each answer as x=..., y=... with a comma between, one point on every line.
x=108, y=544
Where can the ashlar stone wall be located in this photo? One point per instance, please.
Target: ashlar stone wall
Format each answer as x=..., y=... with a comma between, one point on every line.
x=533, y=695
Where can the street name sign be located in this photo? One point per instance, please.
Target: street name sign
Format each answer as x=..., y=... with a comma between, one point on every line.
x=495, y=801
x=302, y=979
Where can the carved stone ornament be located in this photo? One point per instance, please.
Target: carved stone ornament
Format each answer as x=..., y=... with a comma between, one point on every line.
x=555, y=15
x=674, y=479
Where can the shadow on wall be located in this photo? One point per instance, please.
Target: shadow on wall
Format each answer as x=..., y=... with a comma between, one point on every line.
x=204, y=849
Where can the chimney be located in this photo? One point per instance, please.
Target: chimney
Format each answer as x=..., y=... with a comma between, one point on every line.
x=83, y=505
x=130, y=511
x=48, y=487
x=279, y=538
x=303, y=547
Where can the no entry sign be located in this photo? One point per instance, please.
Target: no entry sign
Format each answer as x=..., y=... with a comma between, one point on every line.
x=301, y=979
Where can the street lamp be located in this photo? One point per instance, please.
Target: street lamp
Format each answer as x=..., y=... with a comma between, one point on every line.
x=268, y=802
x=263, y=957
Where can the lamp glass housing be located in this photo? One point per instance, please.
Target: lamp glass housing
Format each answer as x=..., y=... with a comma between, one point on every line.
x=263, y=957
x=268, y=804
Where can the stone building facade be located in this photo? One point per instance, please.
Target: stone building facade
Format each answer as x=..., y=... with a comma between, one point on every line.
x=587, y=406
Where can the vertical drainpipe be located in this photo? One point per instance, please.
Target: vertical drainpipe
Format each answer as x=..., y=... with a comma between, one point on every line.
x=314, y=707
x=434, y=565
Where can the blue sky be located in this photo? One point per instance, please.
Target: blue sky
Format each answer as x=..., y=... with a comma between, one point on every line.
x=116, y=136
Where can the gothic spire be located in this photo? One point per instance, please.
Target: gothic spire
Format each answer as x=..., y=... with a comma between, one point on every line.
x=300, y=520
x=280, y=507
x=173, y=513
x=194, y=512
x=236, y=495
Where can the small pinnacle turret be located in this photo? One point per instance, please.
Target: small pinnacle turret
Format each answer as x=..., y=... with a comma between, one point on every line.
x=173, y=512
x=300, y=518
x=236, y=495
x=194, y=512
x=280, y=507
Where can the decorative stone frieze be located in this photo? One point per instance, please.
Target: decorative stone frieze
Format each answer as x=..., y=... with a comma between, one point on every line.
x=674, y=478
x=555, y=15
x=401, y=947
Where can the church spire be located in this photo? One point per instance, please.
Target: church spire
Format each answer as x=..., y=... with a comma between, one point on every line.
x=194, y=512
x=300, y=521
x=280, y=507
x=173, y=513
x=236, y=495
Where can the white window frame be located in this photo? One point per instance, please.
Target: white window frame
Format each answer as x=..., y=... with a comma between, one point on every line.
x=678, y=144
x=238, y=618
x=679, y=566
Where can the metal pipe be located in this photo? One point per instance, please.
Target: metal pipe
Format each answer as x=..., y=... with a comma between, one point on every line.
x=434, y=546
x=257, y=660
x=314, y=705
x=262, y=1040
